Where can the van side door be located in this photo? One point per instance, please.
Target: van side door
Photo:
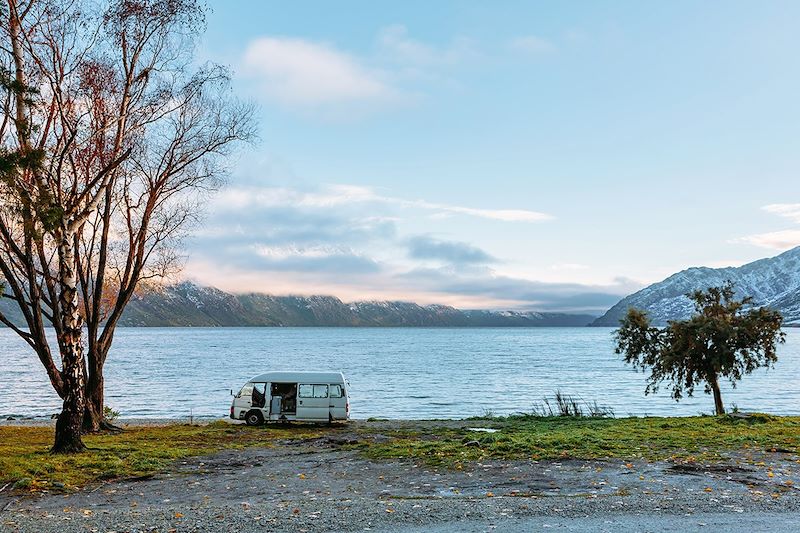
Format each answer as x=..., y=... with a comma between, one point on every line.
x=312, y=401
x=338, y=402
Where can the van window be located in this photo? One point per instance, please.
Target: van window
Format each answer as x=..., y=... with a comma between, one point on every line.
x=313, y=391
x=246, y=391
x=336, y=391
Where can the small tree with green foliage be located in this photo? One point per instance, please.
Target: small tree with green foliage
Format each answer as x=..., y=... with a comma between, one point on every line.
x=725, y=338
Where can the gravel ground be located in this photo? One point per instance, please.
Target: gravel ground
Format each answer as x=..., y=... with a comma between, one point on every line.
x=615, y=522
x=315, y=485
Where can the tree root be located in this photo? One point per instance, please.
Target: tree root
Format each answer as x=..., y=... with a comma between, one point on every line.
x=106, y=425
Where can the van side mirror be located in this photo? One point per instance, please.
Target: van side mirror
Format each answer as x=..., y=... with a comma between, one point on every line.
x=231, y=392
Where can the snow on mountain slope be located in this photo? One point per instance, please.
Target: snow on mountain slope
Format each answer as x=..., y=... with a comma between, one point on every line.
x=188, y=304
x=774, y=282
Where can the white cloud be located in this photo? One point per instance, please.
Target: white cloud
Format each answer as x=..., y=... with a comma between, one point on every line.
x=533, y=45
x=317, y=76
x=395, y=44
x=301, y=72
x=237, y=198
x=775, y=240
x=233, y=199
x=790, y=211
x=284, y=252
x=506, y=215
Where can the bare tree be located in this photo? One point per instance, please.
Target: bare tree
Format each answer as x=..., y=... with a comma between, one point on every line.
x=110, y=138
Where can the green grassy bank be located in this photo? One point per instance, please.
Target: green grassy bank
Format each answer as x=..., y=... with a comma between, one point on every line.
x=138, y=451
x=529, y=437
x=25, y=462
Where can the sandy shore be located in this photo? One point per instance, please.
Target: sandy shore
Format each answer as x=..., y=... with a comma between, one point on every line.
x=316, y=485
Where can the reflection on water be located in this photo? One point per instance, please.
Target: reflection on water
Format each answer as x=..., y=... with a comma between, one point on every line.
x=393, y=372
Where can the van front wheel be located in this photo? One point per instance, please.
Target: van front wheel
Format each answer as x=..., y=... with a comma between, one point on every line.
x=254, y=418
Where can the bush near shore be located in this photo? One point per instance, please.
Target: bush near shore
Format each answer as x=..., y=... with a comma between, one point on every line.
x=25, y=463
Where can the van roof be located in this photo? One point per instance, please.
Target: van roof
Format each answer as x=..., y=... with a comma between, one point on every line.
x=298, y=377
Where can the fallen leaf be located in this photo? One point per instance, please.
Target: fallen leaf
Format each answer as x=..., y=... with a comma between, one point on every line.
x=178, y=515
x=489, y=494
x=301, y=476
x=708, y=489
x=389, y=510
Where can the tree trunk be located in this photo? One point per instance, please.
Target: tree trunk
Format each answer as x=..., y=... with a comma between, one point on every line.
x=718, y=405
x=93, y=413
x=70, y=421
x=94, y=418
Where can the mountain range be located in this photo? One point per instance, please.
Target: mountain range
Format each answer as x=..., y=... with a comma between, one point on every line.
x=188, y=304
x=773, y=282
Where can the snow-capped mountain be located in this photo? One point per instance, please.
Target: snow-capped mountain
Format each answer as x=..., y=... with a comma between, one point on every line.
x=774, y=282
x=188, y=304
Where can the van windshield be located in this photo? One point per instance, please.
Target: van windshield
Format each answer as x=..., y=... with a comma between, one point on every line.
x=246, y=391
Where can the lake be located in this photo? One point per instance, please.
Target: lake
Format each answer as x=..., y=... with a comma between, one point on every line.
x=393, y=372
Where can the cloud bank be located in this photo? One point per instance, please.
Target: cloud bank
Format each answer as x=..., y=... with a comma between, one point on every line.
x=351, y=242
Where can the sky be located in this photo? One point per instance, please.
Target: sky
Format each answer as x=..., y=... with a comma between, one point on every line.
x=550, y=156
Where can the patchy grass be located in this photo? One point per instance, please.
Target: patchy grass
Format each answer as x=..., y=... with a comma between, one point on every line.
x=26, y=462
x=530, y=437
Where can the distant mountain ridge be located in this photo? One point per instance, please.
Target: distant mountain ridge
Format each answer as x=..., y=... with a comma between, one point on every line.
x=187, y=304
x=773, y=282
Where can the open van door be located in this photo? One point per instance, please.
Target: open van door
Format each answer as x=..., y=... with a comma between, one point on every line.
x=312, y=401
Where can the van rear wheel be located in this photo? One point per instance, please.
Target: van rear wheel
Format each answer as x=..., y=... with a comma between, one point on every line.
x=254, y=418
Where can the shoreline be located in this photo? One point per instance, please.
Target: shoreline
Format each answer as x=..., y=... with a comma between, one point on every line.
x=14, y=421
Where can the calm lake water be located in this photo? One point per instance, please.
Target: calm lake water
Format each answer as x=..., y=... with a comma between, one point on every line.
x=393, y=373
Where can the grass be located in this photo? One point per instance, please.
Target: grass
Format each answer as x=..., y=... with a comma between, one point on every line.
x=533, y=437
x=138, y=451
x=25, y=461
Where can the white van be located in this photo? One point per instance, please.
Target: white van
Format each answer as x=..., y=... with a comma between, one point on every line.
x=292, y=396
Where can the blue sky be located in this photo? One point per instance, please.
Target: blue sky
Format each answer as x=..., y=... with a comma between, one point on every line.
x=528, y=155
